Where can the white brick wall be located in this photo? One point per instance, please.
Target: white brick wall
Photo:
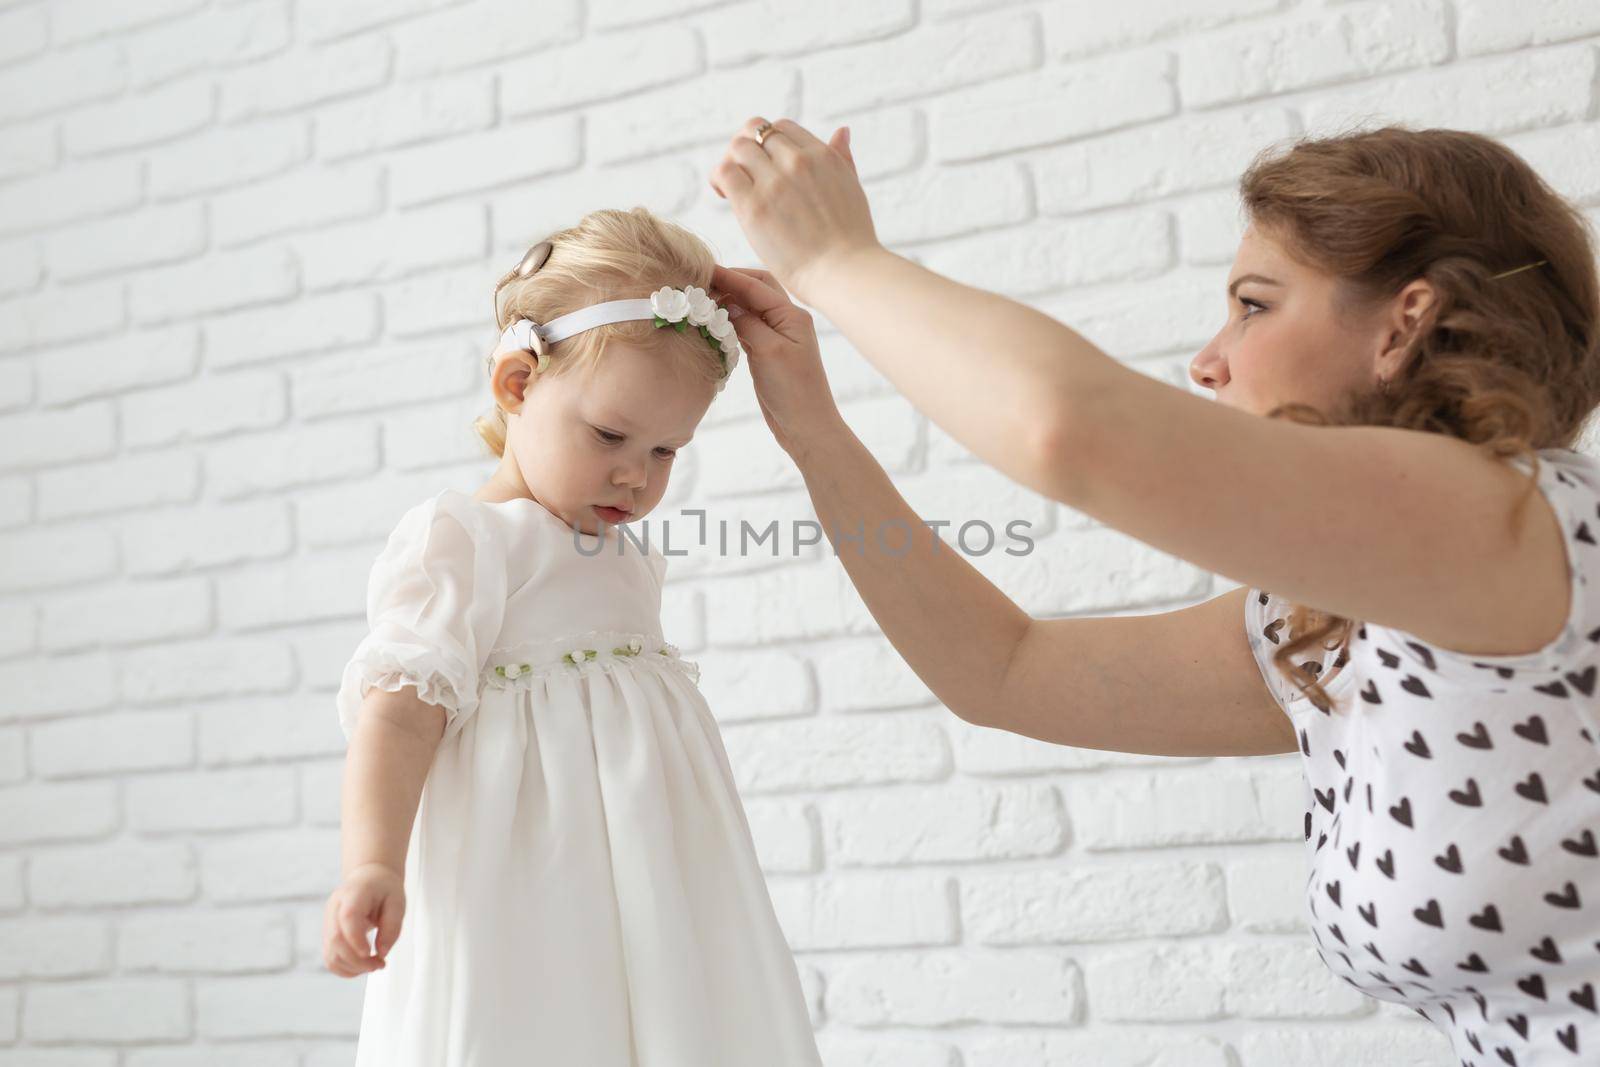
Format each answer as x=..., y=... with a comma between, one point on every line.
x=246, y=248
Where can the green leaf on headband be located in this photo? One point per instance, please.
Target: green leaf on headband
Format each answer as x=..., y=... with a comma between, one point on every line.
x=681, y=325
x=660, y=321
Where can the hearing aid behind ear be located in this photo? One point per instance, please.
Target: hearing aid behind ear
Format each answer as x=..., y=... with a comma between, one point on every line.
x=529, y=265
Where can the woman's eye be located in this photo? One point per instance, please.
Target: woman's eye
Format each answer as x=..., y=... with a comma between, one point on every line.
x=1250, y=306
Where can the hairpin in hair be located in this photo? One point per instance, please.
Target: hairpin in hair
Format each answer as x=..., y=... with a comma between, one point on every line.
x=1516, y=270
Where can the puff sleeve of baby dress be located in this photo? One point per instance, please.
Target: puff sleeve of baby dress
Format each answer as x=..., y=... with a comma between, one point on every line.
x=436, y=598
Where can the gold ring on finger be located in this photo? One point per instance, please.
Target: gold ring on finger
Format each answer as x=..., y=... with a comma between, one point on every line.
x=761, y=133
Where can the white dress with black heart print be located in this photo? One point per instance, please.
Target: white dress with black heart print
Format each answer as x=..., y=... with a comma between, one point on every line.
x=1452, y=810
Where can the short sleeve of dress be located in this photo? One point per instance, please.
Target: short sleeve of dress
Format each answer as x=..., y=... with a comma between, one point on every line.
x=1570, y=482
x=436, y=598
x=1266, y=626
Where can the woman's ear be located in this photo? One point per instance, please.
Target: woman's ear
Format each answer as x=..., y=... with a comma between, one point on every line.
x=1410, y=315
x=1416, y=306
x=1420, y=299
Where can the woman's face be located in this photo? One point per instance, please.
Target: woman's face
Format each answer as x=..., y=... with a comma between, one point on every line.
x=1288, y=337
x=603, y=437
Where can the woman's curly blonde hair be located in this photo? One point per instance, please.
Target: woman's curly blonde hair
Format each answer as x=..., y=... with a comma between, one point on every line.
x=608, y=254
x=1507, y=363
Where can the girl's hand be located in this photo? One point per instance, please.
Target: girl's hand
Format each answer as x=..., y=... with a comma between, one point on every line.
x=798, y=200
x=785, y=364
x=370, y=895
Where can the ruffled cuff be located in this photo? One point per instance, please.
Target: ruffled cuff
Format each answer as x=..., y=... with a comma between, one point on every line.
x=391, y=668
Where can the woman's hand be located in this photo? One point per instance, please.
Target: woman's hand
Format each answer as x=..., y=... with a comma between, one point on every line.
x=798, y=200
x=370, y=895
x=785, y=364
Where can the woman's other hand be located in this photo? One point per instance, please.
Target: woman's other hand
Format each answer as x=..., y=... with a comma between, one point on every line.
x=798, y=200
x=785, y=364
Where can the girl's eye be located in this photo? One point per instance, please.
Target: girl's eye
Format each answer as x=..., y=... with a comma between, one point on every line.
x=1250, y=306
x=612, y=438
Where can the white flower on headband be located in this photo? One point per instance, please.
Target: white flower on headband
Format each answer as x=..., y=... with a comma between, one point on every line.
x=721, y=327
x=701, y=306
x=670, y=304
x=692, y=306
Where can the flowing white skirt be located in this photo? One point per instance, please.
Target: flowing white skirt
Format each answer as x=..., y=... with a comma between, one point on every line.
x=582, y=889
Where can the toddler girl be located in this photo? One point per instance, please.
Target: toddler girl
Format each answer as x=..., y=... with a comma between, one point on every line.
x=579, y=882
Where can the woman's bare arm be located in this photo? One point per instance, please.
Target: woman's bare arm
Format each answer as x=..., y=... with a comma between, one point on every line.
x=1421, y=532
x=1182, y=682
x=1418, y=531
x=1173, y=683
x=948, y=622
x=395, y=738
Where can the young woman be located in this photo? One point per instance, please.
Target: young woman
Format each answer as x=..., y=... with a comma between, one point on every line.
x=1409, y=354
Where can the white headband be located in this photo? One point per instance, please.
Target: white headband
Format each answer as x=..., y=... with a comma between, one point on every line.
x=682, y=309
x=519, y=335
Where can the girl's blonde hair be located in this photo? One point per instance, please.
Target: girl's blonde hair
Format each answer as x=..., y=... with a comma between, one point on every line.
x=608, y=255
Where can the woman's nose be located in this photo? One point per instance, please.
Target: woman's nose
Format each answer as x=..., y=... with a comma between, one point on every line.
x=1204, y=376
x=1208, y=369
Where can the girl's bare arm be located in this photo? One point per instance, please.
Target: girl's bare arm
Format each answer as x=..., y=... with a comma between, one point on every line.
x=393, y=745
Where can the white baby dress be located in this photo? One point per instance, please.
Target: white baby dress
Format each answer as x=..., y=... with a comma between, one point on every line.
x=581, y=883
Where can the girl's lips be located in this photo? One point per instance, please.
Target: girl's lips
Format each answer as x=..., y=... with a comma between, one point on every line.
x=613, y=514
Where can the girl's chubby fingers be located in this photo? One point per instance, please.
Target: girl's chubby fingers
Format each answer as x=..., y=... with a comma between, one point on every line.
x=389, y=920
x=348, y=969
x=339, y=959
x=353, y=925
x=348, y=963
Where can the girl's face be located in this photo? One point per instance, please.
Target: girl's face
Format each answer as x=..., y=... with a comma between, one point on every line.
x=607, y=437
x=1289, y=337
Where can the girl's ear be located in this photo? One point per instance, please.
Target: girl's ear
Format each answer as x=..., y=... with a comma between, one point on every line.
x=513, y=376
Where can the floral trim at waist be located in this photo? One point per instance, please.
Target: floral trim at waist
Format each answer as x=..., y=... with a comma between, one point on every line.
x=514, y=666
